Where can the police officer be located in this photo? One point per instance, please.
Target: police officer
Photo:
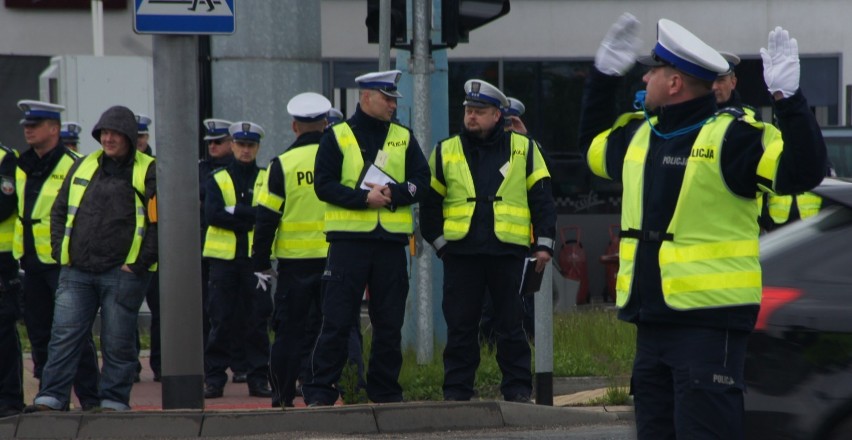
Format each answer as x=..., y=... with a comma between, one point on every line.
x=367, y=224
x=70, y=135
x=689, y=275
x=152, y=292
x=11, y=366
x=334, y=116
x=38, y=178
x=238, y=308
x=219, y=145
x=143, y=121
x=291, y=216
x=487, y=333
x=725, y=87
x=488, y=186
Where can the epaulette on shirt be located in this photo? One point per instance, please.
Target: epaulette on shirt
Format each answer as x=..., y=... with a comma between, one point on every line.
x=733, y=111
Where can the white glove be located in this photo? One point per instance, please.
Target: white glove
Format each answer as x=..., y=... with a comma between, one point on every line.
x=230, y=209
x=781, y=63
x=619, y=47
x=264, y=278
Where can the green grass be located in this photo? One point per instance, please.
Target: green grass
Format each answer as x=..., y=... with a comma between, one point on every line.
x=585, y=343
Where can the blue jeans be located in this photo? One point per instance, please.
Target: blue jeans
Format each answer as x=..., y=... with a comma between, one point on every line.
x=80, y=294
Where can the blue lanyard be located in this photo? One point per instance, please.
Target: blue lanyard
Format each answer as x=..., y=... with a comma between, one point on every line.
x=639, y=103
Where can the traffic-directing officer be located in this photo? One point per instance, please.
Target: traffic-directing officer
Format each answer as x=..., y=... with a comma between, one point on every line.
x=238, y=307
x=689, y=276
x=104, y=233
x=367, y=223
x=143, y=121
x=291, y=216
x=488, y=187
x=38, y=177
x=69, y=132
x=219, y=144
x=11, y=367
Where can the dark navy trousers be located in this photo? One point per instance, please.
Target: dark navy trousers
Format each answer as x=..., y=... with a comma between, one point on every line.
x=688, y=382
x=353, y=265
x=239, y=315
x=467, y=280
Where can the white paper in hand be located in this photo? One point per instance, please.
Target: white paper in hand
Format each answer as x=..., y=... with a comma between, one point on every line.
x=376, y=176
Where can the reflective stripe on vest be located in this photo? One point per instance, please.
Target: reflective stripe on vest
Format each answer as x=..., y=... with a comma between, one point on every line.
x=39, y=219
x=300, y=232
x=780, y=206
x=338, y=218
x=7, y=227
x=77, y=189
x=510, y=205
x=221, y=243
x=712, y=260
x=596, y=156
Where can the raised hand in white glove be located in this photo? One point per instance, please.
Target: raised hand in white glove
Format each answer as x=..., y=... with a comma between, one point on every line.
x=618, y=50
x=264, y=279
x=781, y=68
x=230, y=209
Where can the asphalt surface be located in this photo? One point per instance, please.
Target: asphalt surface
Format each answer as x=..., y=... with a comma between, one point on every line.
x=237, y=415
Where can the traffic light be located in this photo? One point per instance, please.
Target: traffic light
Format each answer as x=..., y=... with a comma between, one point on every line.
x=459, y=17
x=398, y=27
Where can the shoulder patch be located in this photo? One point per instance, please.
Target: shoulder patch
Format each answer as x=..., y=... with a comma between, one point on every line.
x=7, y=185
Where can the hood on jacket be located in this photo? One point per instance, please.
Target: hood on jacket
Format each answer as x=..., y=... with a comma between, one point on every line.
x=120, y=119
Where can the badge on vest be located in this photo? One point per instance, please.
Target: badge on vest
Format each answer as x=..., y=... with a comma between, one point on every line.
x=81, y=182
x=381, y=159
x=504, y=169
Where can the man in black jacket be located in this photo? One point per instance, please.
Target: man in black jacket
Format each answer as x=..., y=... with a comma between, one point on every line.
x=689, y=273
x=490, y=189
x=104, y=234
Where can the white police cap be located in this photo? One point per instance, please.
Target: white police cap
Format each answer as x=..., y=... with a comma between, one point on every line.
x=246, y=131
x=682, y=50
x=385, y=82
x=516, y=107
x=308, y=107
x=142, y=123
x=70, y=132
x=334, y=116
x=36, y=111
x=216, y=129
x=479, y=93
x=732, y=60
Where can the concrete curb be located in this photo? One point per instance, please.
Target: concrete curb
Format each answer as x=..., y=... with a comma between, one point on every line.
x=350, y=419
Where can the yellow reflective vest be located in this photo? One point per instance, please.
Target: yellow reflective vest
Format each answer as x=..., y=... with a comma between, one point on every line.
x=711, y=257
x=39, y=219
x=77, y=189
x=338, y=218
x=300, y=231
x=221, y=243
x=7, y=227
x=511, y=208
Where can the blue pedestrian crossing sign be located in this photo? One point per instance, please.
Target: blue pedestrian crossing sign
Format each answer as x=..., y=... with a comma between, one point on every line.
x=194, y=17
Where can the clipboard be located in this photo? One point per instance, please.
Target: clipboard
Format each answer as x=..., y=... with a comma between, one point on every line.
x=530, y=279
x=373, y=174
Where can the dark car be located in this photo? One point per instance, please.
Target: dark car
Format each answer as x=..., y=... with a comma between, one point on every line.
x=798, y=368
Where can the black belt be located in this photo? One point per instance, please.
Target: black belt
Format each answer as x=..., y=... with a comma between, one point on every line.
x=485, y=199
x=658, y=236
x=29, y=222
